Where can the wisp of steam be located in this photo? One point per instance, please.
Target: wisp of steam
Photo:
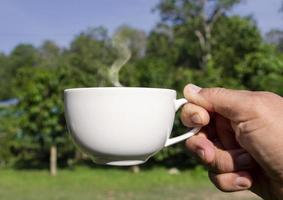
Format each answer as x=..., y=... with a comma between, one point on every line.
x=121, y=44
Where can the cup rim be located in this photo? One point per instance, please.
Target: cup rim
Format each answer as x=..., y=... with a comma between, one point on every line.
x=118, y=88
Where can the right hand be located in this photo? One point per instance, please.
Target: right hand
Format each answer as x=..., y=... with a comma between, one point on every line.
x=242, y=138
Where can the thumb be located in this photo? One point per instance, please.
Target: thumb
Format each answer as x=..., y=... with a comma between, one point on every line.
x=226, y=102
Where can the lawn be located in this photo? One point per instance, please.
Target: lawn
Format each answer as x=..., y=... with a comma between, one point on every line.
x=110, y=184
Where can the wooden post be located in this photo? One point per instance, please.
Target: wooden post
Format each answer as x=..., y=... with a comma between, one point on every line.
x=135, y=169
x=53, y=160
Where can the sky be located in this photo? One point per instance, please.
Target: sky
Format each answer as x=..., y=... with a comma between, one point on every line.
x=33, y=21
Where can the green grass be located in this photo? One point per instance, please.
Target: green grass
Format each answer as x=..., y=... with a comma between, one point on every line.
x=105, y=184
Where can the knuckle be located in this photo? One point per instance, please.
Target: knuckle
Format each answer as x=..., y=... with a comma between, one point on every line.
x=192, y=115
x=186, y=109
x=265, y=104
x=245, y=131
x=188, y=144
x=211, y=164
x=194, y=143
x=185, y=113
x=218, y=182
x=258, y=102
x=242, y=128
x=220, y=165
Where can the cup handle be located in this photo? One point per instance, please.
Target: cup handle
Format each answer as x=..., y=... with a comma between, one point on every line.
x=170, y=141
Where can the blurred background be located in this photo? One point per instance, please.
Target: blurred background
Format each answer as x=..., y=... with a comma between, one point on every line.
x=48, y=46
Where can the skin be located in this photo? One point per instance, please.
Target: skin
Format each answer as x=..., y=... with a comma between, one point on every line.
x=241, y=141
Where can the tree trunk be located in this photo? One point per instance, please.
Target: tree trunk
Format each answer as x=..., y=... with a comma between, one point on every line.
x=135, y=169
x=53, y=160
x=207, y=49
x=204, y=34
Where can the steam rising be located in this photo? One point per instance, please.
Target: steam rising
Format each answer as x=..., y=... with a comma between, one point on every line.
x=121, y=44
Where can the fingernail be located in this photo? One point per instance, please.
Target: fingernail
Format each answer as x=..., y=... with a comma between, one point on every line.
x=194, y=88
x=244, y=160
x=196, y=119
x=242, y=182
x=200, y=153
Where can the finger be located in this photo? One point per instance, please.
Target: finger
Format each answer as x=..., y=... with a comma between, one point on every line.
x=231, y=161
x=193, y=115
x=225, y=133
x=223, y=101
x=231, y=182
x=203, y=147
x=217, y=159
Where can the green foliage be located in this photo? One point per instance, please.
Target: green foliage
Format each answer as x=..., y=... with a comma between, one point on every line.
x=181, y=11
x=24, y=55
x=8, y=129
x=90, y=55
x=170, y=56
x=41, y=118
x=234, y=38
x=5, y=77
x=262, y=70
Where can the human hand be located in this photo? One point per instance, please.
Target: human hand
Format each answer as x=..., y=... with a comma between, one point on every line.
x=242, y=138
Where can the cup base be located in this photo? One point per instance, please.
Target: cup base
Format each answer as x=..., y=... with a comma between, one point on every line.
x=125, y=162
x=119, y=162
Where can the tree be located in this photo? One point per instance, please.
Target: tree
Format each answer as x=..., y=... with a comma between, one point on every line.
x=202, y=15
x=92, y=53
x=275, y=37
x=90, y=56
x=196, y=41
x=8, y=129
x=174, y=56
x=262, y=70
x=49, y=54
x=6, y=76
x=21, y=56
x=234, y=38
x=42, y=127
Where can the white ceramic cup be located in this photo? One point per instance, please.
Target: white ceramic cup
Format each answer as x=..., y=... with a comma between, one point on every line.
x=122, y=126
